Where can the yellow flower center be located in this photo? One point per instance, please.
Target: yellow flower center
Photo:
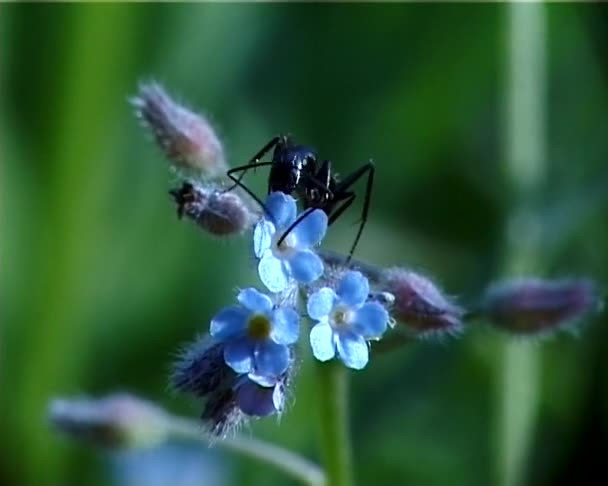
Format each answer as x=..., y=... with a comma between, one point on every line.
x=259, y=326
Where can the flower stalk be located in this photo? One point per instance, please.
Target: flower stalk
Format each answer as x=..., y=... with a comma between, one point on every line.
x=334, y=431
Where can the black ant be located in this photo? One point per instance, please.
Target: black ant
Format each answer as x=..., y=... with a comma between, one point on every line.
x=294, y=169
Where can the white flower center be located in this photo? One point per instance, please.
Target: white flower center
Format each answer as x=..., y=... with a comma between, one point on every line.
x=340, y=316
x=286, y=247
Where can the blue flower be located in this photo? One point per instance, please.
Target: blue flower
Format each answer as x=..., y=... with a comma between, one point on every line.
x=256, y=335
x=345, y=321
x=293, y=258
x=260, y=396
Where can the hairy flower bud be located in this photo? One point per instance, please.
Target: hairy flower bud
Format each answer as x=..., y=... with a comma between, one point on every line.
x=230, y=397
x=218, y=212
x=115, y=421
x=186, y=138
x=419, y=305
x=537, y=306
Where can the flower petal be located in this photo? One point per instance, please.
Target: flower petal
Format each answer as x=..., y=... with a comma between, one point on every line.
x=285, y=326
x=239, y=355
x=270, y=358
x=272, y=272
x=322, y=341
x=262, y=237
x=282, y=208
x=353, y=289
x=352, y=350
x=311, y=229
x=262, y=380
x=320, y=303
x=370, y=320
x=305, y=266
x=255, y=400
x=255, y=301
x=278, y=397
x=229, y=323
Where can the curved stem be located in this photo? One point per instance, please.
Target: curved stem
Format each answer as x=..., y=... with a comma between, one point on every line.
x=334, y=432
x=284, y=460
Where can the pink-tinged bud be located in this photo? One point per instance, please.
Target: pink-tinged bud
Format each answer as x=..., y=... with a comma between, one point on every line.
x=419, y=305
x=218, y=212
x=186, y=138
x=117, y=421
x=537, y=306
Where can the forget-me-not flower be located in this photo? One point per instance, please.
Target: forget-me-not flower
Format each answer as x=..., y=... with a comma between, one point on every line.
x=256, y=335
x=345, y=321
x=293, y=257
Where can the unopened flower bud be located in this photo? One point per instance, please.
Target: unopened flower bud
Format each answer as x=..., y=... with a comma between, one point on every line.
x=419, y=304
x=186, y=138
x=115, y=421
x=537, y=306
x=218, y=212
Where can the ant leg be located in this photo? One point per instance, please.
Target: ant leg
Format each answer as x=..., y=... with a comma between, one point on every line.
x=253, y=162
x=346, y=202
x=343, y=187
x=294, y=224
x=237, y=182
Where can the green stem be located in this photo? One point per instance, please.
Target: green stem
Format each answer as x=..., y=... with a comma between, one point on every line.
x=333, y=422
x=525, y=170
x=284, y=460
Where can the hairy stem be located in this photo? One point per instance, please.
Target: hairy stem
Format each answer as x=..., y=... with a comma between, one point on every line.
x=333, y=424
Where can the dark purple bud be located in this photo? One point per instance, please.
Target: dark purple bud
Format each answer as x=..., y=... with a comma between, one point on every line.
x=116, y=421
x=221, y=414
x=419, y=305
x=187, y=138
x=218, y=212
x=201, y=369
x=535, y=306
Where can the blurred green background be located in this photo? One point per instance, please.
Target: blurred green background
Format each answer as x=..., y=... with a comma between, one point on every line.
x=101, y=283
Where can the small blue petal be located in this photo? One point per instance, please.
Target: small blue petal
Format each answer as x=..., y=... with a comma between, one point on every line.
x=282, y=209
x=229, y=323
x=239, y=355
x=305, y=266
x=285, y=326
x=352, y=350
x=311, y=229
x=353, y=289
x=322, y=341
x=262, y=237
x=370, y=320
x=270, y=359
x=272, y=272
x=255, y=301
x=321, y=303
x=255, y=400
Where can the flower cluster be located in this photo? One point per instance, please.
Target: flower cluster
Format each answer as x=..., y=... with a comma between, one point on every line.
x=245, y=365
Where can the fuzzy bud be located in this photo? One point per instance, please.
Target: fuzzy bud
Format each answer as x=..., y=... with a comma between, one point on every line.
x=419, y=304
x=230, y=398
x=216, y=211
x=117, y=421
x=537, y=306
x=186, y=138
